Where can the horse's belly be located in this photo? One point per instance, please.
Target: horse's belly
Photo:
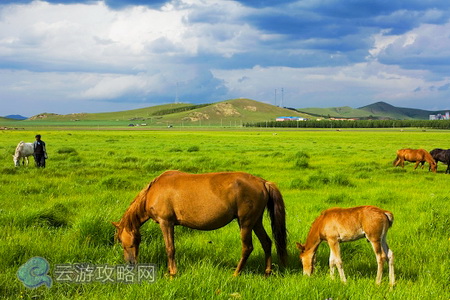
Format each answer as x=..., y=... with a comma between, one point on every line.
x=205, y=223
x=204, y=219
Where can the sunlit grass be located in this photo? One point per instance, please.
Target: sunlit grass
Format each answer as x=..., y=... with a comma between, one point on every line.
x=63, y=212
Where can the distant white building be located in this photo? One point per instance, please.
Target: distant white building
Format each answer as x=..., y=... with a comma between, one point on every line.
x=281, y=119
x=440, y=116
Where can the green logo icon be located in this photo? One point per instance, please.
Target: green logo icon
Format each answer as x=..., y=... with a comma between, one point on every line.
x=33, y=273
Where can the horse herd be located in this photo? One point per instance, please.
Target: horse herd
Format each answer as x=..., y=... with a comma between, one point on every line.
x=420, y=156
x=212, y=200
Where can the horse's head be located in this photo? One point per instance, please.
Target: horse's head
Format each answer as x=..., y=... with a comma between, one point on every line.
x=307, y=258
x=16, y=160
x=130, y=240
x=433, y=167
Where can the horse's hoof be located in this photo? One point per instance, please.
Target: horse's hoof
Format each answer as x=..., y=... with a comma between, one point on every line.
x=170, y=276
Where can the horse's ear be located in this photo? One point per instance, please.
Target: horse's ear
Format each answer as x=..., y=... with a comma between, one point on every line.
x=300, y=247
x=115, y=224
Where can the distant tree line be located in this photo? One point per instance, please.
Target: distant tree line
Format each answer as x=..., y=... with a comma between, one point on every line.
x=178, y=109
x=432, y=124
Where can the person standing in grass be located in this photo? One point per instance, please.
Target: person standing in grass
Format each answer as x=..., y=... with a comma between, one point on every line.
x=40, y=152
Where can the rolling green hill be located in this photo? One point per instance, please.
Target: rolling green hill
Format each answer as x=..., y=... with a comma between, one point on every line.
x=231, y=112
x=225, y=113
x=127, y=115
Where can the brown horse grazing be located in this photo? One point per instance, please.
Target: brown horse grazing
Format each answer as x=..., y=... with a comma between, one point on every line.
x=206, y=202
x=337, y=225
x=414, y=155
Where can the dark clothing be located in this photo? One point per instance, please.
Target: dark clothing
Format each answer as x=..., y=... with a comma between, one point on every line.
x=40, y=160
x=39, y=147
x=40, y=153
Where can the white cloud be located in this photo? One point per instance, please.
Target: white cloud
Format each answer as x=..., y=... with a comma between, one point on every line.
x=88, y=34
x=353, y=85
x=425, y=47
x=82, y=54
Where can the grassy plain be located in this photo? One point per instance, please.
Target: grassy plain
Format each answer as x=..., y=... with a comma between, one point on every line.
x=63, y=212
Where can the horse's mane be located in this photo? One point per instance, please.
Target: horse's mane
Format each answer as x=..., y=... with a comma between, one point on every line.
x=19, y=146
x=132, y=216
x=429, y=157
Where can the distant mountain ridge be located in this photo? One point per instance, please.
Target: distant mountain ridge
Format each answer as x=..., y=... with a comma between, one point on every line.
x=388, y=110
x=378, y=110
x=15, y=117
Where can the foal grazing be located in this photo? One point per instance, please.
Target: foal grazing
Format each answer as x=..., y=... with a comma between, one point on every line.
x=206, y=202
x=443, y=156
x=414, y=155
x=337, y=225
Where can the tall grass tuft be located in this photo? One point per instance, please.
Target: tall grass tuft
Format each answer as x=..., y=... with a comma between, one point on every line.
x=301, y=160
x=337, y=198
x=56, y=216
x=193, y=149
x=95, y=230
x=115, y=183
x=321, y=178
x=67, y=150
x=299, y=184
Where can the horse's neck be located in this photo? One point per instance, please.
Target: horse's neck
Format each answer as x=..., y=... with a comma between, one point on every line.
x=136, y=214
x=313, y=240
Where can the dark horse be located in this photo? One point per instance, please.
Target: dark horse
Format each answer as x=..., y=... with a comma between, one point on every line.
x=419, y=156
x=206, y=202
x=441, y=155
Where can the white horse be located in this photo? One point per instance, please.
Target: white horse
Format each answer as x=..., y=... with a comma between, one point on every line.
x=23, y=150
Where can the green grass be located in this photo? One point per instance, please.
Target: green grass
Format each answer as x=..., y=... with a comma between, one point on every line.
x=63, y=212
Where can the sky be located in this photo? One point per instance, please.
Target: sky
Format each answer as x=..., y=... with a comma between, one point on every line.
x=73, y=56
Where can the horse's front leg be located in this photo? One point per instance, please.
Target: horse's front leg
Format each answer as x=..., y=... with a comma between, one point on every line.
x=335, y=260
x=168, y=234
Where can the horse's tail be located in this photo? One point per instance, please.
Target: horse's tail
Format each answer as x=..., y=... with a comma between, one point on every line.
x=277, y=213
x=390, y=217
